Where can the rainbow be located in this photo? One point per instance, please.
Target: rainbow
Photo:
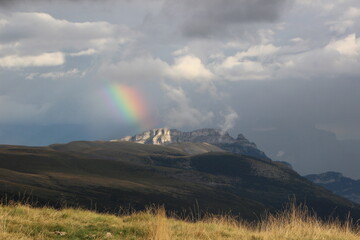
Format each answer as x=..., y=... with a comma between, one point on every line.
x=129, y=105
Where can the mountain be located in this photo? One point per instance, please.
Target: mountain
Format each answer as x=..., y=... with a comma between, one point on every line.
x=215, y=137
x=338, y=184
x=106, y=175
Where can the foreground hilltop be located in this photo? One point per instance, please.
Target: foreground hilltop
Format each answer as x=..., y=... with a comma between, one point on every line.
x=215, y=137
x=184, y=177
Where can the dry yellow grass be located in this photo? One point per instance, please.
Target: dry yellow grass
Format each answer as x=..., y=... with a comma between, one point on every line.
x=24, y=222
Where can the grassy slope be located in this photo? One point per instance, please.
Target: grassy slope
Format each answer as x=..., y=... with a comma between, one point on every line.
x=24, y=223
x=59, y=178
x=195, y=148
x=105, y=175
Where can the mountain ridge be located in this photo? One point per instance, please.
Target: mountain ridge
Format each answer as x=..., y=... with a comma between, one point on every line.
x=213, y=136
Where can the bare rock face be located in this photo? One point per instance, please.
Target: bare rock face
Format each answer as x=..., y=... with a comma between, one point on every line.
x=165, y=136
x=160, y=136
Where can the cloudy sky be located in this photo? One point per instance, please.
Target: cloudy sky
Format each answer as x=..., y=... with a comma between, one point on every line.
x=235, y=64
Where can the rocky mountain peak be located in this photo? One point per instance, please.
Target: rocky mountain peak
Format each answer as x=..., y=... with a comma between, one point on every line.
x=159, y=136
x=165, y=136
x=240, y=137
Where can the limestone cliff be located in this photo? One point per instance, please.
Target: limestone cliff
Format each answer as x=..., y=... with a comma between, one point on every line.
x=165, y=136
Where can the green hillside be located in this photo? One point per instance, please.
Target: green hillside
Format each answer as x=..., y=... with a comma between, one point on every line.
x=106, y=176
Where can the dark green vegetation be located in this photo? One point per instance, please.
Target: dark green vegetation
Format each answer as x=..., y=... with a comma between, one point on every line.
x=108, y=175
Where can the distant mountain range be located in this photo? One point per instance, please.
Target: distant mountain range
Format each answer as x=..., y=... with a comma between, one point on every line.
x=337, y=183
x=186, y=172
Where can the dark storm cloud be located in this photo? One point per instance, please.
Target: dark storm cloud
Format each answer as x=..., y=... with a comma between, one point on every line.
x=207, y=18
x=12, y=2
x=7, y=2
x=280, y=116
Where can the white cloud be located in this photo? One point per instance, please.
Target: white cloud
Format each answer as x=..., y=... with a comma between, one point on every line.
x=259, y=51
x=229, y=120
x=345, y=22
x=252, y=64
x=57, y=75
x=297, y=40
x=3, y=22
x=189, y=68
x=280, y=153
x=341, y=26
x=338, y=58
x=43, y=60
x=352, y=12
x=348, y=46
x=183, y=114
x=37, y=33
x=181, y=51
x=5, y=47
x=87, y=52
x=298, y=59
